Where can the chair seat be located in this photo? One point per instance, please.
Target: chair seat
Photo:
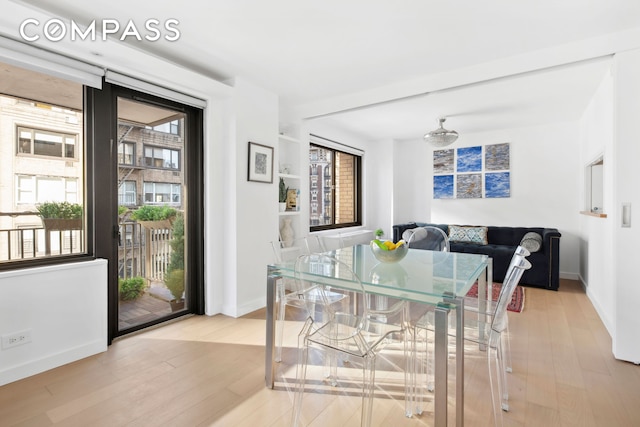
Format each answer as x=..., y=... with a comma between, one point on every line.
x=314, y=295
x=352, y=334
x=472, y=331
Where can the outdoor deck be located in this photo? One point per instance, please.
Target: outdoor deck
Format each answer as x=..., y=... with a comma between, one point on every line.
x=150, y=306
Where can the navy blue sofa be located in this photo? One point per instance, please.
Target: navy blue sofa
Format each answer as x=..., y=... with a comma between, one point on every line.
x=502, y=242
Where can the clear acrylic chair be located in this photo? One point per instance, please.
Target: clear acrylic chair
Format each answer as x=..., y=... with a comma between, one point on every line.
x=286, y=294
x=491, y=336
x=427, y=237
x=347, y=333
x=472, y=304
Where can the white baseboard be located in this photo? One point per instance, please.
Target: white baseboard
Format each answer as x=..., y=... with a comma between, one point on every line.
x=33, y=367
x=239, y=311
x=569, y=276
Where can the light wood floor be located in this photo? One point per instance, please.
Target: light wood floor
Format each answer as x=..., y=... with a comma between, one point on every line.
x=208, y=371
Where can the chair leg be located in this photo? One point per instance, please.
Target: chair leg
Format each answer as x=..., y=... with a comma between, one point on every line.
x=503, y=385
x=369, y=374
x=420, y=360
x=495, y=382
x=424, y=366
x=506, y=347
x=301, y=376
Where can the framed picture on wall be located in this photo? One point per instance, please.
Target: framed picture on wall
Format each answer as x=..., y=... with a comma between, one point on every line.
x=260, y=163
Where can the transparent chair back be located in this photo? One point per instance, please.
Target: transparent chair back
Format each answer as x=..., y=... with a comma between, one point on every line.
x=287, y=293
x=343, y=331
x=427, y=237
x=315, y=245
x=495, y=350
x=493, y=336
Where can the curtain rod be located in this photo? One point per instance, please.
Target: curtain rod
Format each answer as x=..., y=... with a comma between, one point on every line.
x=336, y=142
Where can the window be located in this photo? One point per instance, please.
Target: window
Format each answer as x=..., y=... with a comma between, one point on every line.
x=126, y=153
x=127, y=193
x=335, y=187
x=164, y=158
x=46, y=143
x=161, y=193
x=172, y=127
x=37, y=189
x=43, y=160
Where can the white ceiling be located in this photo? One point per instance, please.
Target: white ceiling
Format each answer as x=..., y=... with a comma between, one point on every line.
x=308, y=52
x=557, y=95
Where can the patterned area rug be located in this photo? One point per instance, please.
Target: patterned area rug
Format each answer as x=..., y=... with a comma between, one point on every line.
x=517, y=301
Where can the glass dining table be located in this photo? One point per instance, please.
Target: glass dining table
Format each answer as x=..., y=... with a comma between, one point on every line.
x=439, y=279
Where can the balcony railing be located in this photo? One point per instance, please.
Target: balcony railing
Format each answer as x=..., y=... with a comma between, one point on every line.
x=142, y=250
x=21, y=239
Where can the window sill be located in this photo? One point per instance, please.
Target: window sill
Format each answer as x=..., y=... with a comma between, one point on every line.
x=594, y=214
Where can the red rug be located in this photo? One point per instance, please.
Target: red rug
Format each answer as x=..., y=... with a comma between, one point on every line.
x=517, y=301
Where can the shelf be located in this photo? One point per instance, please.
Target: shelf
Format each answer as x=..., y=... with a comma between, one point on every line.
x=286, y=213
x=288, y=175
x=290, y=156
x=289, y=139
x=594, y=214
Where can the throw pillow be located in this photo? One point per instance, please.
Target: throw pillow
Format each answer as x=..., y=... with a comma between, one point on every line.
x=468, y=234
x=531, y=241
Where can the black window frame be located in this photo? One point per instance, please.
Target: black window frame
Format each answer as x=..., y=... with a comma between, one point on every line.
x=88, y=220
x=357, y=176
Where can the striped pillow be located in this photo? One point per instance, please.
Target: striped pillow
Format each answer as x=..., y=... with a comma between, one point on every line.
x=468, y=234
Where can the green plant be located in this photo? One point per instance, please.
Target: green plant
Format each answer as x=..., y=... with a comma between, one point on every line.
x=131, y=288
x=174, y=280
x=175, y=283
x=282, y=198
x=60, y=210
x=122, y=210
x=177, y=245
x=379, y=232
x=153, y=213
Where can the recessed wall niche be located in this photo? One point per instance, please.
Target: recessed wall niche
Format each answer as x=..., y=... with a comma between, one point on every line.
x=594, y=183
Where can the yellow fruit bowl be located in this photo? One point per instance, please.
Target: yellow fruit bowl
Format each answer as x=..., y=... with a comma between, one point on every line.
x=388, y=251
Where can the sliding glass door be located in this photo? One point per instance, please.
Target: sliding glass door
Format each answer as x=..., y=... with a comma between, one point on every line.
x=154, y=180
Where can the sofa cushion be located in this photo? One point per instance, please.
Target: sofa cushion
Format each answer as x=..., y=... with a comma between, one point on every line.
x=476, y=235
x=532, y=242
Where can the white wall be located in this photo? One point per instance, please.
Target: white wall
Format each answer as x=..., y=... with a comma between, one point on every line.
x=596, y=234
x=64, y=307
x=542, y=158
x=378, y=186
x=626, y=345
x=253, y=225
x=412, y=170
